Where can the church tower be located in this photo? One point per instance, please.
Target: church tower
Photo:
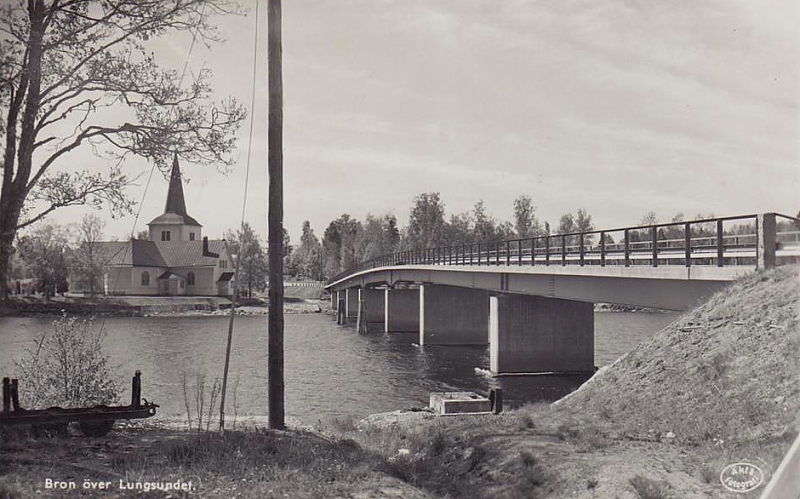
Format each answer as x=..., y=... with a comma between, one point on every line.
x=175, y=224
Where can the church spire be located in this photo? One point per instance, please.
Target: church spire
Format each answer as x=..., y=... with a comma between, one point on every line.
x=175, y=201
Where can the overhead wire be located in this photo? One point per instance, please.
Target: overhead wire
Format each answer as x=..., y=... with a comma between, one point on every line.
x=241, y=229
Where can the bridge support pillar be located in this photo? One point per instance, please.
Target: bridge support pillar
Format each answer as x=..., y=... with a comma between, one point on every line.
x=374, y=305
x=532, y=334
x=401, y=310
x=451, y=315
x=351, y=297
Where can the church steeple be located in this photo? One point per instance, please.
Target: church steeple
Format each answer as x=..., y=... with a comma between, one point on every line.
x=175, y=224
x=175, y=200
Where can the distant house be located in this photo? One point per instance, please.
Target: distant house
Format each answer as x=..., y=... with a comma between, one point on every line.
x=176, y=260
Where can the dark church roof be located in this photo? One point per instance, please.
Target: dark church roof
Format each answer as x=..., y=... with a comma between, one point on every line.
x=137, y=253
x=173, y=254
x=175, y=209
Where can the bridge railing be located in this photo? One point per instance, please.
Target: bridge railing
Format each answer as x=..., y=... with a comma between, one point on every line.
x=719, y=242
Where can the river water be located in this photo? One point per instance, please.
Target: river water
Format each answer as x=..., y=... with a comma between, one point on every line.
x=330, y=370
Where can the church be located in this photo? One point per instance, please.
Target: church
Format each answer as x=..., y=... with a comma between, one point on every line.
x=175, y=259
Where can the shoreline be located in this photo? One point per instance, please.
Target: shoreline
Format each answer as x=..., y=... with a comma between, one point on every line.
x=151, y=307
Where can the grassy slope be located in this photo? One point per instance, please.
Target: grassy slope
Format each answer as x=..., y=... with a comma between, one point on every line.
x=727, y=371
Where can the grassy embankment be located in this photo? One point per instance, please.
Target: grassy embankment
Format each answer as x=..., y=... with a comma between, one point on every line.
x=718, y=386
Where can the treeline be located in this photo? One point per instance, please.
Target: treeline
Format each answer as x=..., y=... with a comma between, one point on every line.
x=50, y=256
x=347, y=241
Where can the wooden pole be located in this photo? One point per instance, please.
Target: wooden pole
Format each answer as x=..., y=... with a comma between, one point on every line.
x=275, y=382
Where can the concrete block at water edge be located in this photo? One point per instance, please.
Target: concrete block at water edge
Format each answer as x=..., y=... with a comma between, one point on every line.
x=458, y=403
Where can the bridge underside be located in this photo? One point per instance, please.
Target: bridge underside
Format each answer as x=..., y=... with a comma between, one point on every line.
x=534, y=320
x=670, y=288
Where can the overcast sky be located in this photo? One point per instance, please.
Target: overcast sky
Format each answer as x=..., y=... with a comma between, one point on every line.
x=615, y=106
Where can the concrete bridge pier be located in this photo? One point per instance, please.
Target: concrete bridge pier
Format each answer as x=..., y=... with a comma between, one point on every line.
x=532, y=334
x=450, y=315
x=351, y=297
x=374, y=306
x=401, y=310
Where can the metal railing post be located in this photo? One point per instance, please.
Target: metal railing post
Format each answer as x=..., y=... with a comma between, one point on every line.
x=655, y=246
x=720, y=245
x=519, y=252
x=580, y=248
x=687, y=241
x=627, y=248
x=533, y=251
x=508, y=253
x=602, y=249
x=547, y=250
x=497, y=253
x=563, y=250
x=766, y=240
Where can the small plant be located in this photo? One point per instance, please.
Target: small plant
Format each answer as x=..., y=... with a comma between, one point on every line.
x=198, y=400
x=343, y=424
x=526, y=421
x=567, y=430
x=709, y=474
x=647, y=488
x=531, y=476
x=67, y=368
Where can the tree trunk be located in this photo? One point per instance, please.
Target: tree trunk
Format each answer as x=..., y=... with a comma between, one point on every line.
x=6, y=249
x=15, y=187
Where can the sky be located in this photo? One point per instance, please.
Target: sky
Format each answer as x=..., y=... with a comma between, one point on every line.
x=619, y=107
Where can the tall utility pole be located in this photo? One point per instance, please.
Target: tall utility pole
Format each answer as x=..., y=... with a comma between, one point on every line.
x=275, y=166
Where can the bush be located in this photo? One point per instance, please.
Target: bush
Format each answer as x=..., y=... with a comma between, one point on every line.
x=647, y=488
x=67, y=368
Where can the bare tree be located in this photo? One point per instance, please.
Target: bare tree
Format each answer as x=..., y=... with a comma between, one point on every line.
x=88, y=266
x=76, y=75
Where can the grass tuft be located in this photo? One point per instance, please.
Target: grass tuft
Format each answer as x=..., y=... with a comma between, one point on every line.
x=647, y=488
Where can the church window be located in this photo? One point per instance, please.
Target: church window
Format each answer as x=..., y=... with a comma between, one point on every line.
x=191, y=236
x=145, y=278
x=190, y=278
x=165, y=235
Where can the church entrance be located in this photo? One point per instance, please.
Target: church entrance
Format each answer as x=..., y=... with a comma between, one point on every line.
x=170, y=284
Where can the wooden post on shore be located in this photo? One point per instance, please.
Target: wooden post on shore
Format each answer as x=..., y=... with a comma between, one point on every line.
x=275, y=384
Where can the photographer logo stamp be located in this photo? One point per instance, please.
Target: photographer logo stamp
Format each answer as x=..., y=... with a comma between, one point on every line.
x=741, y=477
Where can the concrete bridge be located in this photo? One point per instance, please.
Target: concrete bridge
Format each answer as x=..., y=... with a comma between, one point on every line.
x=532, y=300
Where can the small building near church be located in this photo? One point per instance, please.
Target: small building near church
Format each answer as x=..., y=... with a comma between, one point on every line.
x=175, y=260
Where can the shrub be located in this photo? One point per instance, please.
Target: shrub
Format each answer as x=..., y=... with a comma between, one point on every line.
x=647, y=488
x=67, y=368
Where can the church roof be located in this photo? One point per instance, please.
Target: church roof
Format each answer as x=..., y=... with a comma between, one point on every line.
x=165, y=254
x=137, y=253
x=189, y=253
x=175, y=209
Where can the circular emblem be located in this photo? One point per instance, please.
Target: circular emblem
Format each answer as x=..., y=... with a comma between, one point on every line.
x=741, y=477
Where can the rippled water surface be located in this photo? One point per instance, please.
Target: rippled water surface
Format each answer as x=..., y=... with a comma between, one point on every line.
x=330, y=370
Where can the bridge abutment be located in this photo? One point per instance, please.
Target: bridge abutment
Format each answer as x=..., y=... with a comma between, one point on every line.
x=451, y=315
x=401, y=310
x=532, y=334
